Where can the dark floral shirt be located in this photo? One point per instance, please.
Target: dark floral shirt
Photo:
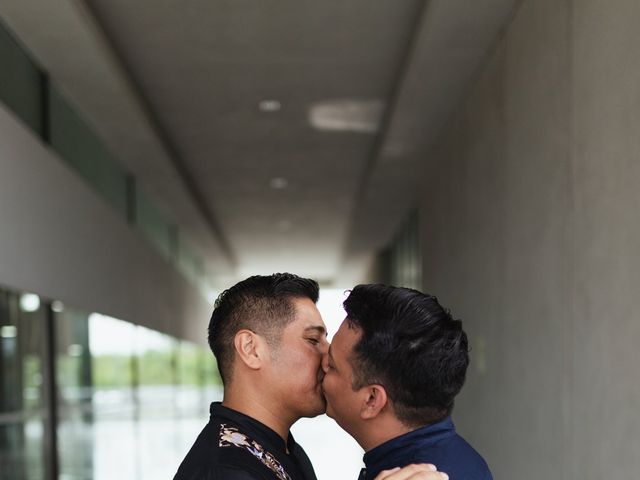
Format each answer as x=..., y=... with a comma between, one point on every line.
x=233, y=446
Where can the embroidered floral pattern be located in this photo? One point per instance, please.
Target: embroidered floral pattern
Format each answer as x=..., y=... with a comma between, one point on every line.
x=231, y=437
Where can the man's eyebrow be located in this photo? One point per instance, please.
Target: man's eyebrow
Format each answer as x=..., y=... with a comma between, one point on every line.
x=318, y=328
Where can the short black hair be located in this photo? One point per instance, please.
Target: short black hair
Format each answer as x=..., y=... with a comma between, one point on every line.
x=411, y=346
x=262, y=304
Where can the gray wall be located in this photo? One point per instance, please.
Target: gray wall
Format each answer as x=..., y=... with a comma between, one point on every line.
x=59, y=239
x=530, y=225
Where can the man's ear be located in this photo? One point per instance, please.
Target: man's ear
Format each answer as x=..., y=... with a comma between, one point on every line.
x=375, y=399
x=250, y=348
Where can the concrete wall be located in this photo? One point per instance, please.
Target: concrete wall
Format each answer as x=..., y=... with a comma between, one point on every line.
x=530, y=232
x=59, y=239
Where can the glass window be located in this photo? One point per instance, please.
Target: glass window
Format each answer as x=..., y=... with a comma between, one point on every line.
x=156, y=358
x=75, y=395
x=158, y=427
x=191, y=378
x=22, y=330
x=212, y=380
x=125, y=393
x=113, y=370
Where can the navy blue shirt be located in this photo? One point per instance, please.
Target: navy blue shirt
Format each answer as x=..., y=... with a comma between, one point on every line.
x=438, y=444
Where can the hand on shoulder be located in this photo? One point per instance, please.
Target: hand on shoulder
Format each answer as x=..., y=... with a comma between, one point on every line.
x=423, y=471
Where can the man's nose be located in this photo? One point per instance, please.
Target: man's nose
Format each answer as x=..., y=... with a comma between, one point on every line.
x=324, y=347
x=325, y=360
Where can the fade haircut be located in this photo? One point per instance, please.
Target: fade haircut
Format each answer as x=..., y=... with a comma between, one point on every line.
x=262, y=304
x=411, y=346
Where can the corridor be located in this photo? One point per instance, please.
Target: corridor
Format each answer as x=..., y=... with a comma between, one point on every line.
x=154, y=153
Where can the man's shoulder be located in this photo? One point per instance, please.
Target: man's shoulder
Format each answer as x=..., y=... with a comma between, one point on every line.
x=223, y=450
x=209, y=459
x=454, y=455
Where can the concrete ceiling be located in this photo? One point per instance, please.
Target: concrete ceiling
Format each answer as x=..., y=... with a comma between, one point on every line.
x=174, y=88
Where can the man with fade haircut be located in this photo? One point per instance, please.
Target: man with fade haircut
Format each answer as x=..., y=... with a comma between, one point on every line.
x=269, y=340
x=393, y=370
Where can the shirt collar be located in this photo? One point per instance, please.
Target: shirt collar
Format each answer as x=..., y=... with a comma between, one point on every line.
x=386, y=455
x=253, y=428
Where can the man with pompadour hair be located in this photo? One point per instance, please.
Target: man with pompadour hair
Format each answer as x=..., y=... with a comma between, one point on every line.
x=391, y=376
x=261, y=304
x=269, y=340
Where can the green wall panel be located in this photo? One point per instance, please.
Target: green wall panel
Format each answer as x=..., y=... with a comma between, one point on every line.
x=154, y=225
x=22, y=85
x=190, y=264
x=20, y=82
x=79, y=145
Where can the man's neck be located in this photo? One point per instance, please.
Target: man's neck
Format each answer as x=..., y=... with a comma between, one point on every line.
x=260, y=411
x=382, y=431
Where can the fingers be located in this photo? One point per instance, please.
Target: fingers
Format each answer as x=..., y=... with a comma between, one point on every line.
x=424, y=471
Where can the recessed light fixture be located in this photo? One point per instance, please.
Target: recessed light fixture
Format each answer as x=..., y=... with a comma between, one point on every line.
x=29, y=302
x=278, y=183
x=269, y=105
x=347, y=115
x=9, y=331
x=57, y=306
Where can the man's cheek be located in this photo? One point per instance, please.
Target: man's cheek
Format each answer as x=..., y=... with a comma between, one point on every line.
x=328, y=388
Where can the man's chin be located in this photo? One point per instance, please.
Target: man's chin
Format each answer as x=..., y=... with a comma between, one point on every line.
x=327, y=409
x=323, y=409
x=326, y=405
x=315, y=413
x=320, y=409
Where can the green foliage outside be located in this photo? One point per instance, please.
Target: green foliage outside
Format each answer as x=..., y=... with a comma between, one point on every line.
x=32, y=381
x=210, y=367
x=68, y=374
x=193, y=367
x=111, y=371
x=156, y=368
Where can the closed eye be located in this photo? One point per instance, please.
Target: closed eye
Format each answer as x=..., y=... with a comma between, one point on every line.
x=313, y=341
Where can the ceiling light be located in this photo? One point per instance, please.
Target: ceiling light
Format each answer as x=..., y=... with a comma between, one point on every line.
x=269, y=105
x=57, y=306
x=347, y=115
x=278, y=183
x=8, y=331
x=29, y=302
